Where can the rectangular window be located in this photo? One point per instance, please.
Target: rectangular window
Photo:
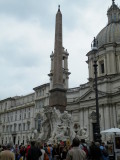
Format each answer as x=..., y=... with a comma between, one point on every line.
x=19, y=127
x=4, y=118
x=14, y=127
x=16, y=117
x=101, y=67
x=8, y=118
x=11, y=118
x=24, y=115
x=28, y=126
x=28, y=114
x=6, y=128
x=20, y=116
x=3, y=128
x=11, y=128
x=23, y=126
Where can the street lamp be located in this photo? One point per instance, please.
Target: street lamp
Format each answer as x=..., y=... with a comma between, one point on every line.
x=97, y=126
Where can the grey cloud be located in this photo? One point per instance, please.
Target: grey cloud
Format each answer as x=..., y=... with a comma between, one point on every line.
x=27, y=39
x=28, y=9
x=44, y=11
x=13, y=57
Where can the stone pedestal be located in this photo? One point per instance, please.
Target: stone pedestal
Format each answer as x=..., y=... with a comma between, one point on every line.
x=58, y=98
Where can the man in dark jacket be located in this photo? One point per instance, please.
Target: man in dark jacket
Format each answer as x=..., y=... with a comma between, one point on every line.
x=34, y=152
x=95, y=153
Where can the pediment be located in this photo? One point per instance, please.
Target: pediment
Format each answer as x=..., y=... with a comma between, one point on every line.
x=90, y=94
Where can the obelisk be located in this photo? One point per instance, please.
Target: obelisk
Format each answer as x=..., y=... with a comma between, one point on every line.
x=58, y=92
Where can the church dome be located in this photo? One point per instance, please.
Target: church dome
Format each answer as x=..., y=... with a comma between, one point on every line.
x=110, y=33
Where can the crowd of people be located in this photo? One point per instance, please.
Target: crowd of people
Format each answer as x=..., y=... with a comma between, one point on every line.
x=78, y=150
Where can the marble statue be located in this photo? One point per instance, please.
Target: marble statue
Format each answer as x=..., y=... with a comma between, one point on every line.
x=84, y=134
x=58, y=126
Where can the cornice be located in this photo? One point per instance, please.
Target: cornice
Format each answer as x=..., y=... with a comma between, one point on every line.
x=26, y=105
x=4, y=100
x=41, y=98
x=41, y=86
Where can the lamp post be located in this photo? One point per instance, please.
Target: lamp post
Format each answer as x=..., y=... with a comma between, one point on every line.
x=97, y=126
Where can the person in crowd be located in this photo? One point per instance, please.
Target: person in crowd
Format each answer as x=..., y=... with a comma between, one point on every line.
x=46, y=156
x=84, y=147
x=34, y=152
x=1, y=148
x=7, y=154
x=20, y=157
x=104, y=152
x=49, y=151
x=43, y=153
x=20, y=145
x=26, y=150
x=61, y=146
x=95, y=152
x=45, y=147
x=64, y=153
x=16, y=151
x=22, y=151
x=12, y=148
x=4, y=147
x=55, y=152
x=76, y=153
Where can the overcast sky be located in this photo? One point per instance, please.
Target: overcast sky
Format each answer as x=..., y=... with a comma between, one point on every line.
x=27, y=29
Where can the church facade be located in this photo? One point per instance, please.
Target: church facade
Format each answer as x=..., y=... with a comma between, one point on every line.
x=20, y=116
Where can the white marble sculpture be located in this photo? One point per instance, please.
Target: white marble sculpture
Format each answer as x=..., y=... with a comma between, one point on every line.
x=58, y=126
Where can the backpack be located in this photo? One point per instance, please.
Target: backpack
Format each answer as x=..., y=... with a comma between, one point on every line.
x=105, y=153
x=46, y=156
x=85, y=149
x=48, y=150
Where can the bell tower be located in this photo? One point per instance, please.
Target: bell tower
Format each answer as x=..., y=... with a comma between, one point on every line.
x=59, y=74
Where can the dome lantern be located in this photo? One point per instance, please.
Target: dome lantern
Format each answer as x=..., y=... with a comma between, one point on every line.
x=113, y=2
x=113, y=13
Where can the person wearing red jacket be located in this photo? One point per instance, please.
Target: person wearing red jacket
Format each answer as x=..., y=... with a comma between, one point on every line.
x=26, y=152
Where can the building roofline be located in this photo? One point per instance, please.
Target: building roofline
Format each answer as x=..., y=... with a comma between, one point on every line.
x=41, y=86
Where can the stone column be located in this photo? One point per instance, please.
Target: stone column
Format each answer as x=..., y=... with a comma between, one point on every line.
x=91, y=69
x=113, y=65
x=102, y=120
x=107, y=117
x=81, y=118
x=118, y=64
x=87, y=120
x=114, y=115
x=66, y=63
x=85, y=117
x=108, y=67
x=111, y=116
